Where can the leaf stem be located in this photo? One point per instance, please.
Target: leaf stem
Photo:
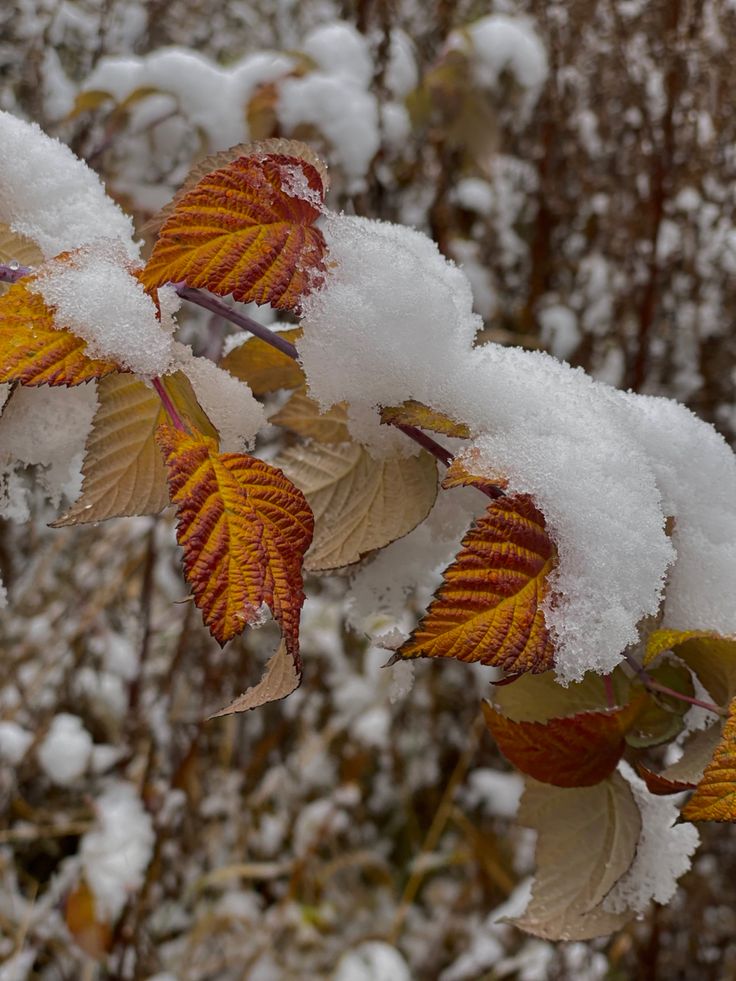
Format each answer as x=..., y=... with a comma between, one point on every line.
x=11, y=273
x=168, y=405
x=649, y=682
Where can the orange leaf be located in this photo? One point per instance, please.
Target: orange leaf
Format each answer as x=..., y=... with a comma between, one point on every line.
x=458, y=475
x=93, y=935
x=246, y=228
x=244, y=528
x=576, y=751
x=33, y=351
x=488, y=608
x=715, y=796
x=263, y=367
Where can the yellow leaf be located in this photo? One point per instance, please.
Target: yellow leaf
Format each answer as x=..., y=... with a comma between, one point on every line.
x=359, y=504
x=123, y=470
x=302, y=415
x=33, y=351
x=263, y=367
x=413, y=413
x=715, y=796
x=710, y=655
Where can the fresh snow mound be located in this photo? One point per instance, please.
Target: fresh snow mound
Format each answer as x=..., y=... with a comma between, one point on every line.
x=502, y=43
x=209, y=96
x=662, y=855
x=117, y=851
x=53, y=198
x=96, y=296
x=65, y=750
x=606, y=468
x=340, y=49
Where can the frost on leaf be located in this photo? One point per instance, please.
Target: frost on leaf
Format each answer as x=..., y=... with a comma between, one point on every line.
x=33, y=351
x=489, y=606
x=303, y=416
x=413, y=413
x=244, y=528
x=246, y=229
x=715, y=796
x=280, y=679
x=123, y=471
x=574, y=751
x=587, y=839
x=263, y=367
x=359, y=504
x=710, y=655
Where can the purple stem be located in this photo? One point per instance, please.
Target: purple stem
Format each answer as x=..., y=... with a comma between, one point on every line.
x=649, y=682
x=10, y=273
x=214, y=305
x=168, y=405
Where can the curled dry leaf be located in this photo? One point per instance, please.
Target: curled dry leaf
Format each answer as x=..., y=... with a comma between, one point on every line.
x=574, y=751
x=586, y=840
x=715, y=795
x=280, y=679
x=123, y=471
x=489, y=606
x=413, y=413
x=710, y=655
x=246, y=229
x=303, y=416
x=34, y=351
x=244, y=528
x=359, y=504
x=263, y=367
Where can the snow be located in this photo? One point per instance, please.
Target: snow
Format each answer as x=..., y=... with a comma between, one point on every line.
x=209, y=97
x=605, y=468
x=498, y=793
x=341, y=50
x=65, y=750
x=228, y=402
x=662, y=854
x=14, y=741
x=500, y=43
x=344, y=112
x=95, y=295
x=52, y=197
x=116, y=852
x=560, y=332
x=474, y=194
x=373, y=960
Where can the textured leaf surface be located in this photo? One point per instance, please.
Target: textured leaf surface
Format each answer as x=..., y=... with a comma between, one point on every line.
x=263, y=367
x=575, y=751
x=33, y=351
x=123, y=470
x=715, y=796
x=244, y=529
x=246, y=229
x=281, y=677
x=488, y=607
x=586, y=840
x=359, y=503
x=302, y=415
x=710, y=655
x=413, y=413
x=540, y=697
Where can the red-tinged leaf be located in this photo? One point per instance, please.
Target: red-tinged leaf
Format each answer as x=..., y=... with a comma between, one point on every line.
x=575, y=751
x=715, y=796
x=244, y=528
x=33, y=351
x=660, y=785
x=489, y=606
x=246, y=229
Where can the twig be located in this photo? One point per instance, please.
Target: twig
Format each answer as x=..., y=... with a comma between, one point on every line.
x=11, y=272
x=653, y=685
x=168, y=405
